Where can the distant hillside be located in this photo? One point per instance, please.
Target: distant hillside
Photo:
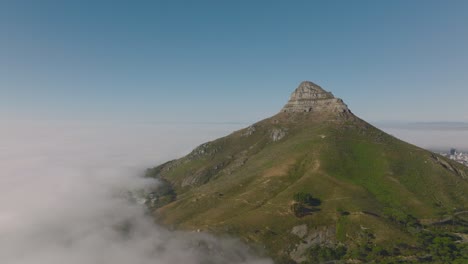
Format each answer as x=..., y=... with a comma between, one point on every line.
x=315, y=183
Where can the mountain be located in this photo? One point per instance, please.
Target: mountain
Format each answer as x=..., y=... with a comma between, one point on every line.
x=315, y=183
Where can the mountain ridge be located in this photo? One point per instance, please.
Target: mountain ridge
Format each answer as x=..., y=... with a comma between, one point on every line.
x=312, y=176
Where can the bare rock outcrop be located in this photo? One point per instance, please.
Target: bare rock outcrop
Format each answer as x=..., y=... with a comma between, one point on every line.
x=277, y=134
x=324, y=236
x=249, y=131
x=309, y=97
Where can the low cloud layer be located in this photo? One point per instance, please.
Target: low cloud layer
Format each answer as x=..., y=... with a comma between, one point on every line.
x=434, y=136
x=62, y=189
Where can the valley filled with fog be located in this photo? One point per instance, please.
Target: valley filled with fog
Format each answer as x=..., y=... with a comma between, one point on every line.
x=62, y=195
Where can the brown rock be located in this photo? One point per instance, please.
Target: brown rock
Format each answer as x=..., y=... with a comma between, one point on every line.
x=309, y=97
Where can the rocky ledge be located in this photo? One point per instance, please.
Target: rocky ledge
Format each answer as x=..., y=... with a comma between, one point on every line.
x=309, y=97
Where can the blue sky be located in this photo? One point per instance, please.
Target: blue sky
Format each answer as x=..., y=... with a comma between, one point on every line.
x=230, y=61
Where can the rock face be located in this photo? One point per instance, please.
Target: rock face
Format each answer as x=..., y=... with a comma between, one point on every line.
x=319, y=236
x=309, y=97
x=277, y=134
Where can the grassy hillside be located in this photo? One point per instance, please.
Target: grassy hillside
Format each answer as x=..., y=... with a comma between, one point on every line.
x=304, y=185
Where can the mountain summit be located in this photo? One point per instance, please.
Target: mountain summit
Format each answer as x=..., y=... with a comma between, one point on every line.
x=315, y=183
x=309, y=97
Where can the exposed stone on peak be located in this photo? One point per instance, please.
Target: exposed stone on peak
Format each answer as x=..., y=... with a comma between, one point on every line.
x=310, y=91
x=309, y=97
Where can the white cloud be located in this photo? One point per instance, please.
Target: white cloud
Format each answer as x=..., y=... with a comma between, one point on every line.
x=61, y=202
x=434, y=136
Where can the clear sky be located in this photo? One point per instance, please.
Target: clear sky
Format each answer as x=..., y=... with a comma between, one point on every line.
x=230, y=61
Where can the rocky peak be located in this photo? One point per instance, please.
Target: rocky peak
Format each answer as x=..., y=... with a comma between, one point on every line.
x=310, y=91
x=309, y=97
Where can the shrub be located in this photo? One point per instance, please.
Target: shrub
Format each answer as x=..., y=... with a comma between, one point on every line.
x=306, y=199
x=301, y=210
x=319, y=254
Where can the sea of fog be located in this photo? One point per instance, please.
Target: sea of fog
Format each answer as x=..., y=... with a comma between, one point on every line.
x=62, y=196
x=436, y=136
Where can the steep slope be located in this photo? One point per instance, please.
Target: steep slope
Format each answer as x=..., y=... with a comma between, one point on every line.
x=313, y=176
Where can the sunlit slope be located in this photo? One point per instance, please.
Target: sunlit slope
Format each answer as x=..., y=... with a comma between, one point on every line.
x=244, y=184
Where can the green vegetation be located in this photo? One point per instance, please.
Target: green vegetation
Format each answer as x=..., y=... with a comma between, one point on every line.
x=407, y=221
x=320, y=254
x=306, y=199
x=304, y=204
x=377, y=194
x=443, y=247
